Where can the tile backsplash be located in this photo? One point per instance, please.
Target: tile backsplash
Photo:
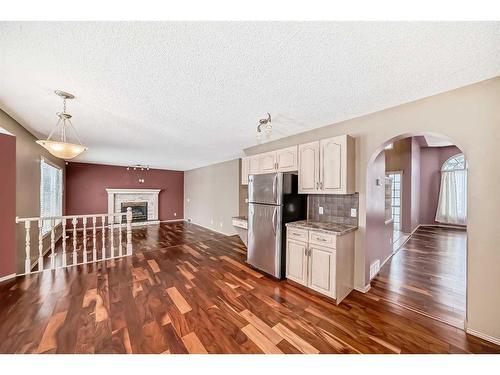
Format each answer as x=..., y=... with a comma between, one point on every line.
x=336, y=208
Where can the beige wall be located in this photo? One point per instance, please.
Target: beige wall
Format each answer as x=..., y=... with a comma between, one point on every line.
x=211, y=195
x=28, y=155
x=470, y=117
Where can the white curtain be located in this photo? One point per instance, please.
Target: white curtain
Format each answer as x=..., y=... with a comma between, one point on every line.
x=452, y=206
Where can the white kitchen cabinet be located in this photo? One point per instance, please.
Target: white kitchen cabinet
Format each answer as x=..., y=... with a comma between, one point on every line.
x=286, y=159
x=322, y=269
x=254, y=164
x=327, y=166
x=296, y=261
x=268, y=162
x=309, y=167
x=245, y=170
x=327, y=268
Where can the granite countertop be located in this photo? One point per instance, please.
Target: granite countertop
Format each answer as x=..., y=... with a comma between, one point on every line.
x=331, y=228
x=242, y=218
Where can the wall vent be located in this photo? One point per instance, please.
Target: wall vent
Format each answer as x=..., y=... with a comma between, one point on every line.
x=374, y=268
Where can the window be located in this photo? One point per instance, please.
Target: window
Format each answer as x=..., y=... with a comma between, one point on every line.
x=396, y=198
x=50, y=193
x=452, y=205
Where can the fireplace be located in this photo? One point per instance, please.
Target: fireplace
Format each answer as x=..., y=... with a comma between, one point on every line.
x=139, y=210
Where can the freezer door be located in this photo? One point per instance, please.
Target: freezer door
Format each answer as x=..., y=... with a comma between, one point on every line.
x=266, y=188
x=264, y=238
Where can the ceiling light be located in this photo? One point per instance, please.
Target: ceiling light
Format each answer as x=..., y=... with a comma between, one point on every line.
x=62, y=149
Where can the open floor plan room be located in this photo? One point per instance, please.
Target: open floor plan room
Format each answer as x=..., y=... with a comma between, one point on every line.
x=198, y=187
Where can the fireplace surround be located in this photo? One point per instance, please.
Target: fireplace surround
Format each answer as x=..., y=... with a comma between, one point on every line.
x=135, y=198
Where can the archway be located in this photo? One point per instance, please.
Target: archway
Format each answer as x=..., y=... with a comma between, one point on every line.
x=424, y=268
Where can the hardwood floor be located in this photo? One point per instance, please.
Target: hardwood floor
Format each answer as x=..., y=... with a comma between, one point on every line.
x=428, y=275
x=187, y=290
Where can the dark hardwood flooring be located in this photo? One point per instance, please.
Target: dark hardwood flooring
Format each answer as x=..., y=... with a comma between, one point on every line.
x=187, y=290
x=428, y=275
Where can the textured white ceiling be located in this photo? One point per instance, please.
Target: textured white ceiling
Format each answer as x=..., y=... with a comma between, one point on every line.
x=180, y=95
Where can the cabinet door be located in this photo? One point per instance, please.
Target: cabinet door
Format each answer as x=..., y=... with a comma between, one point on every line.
x=322, y=270
x=296, y=261
x=309, y=167
x=254, y=164
x=268, y=162
x=331, y=162
x=245, y=170
x=287, y=159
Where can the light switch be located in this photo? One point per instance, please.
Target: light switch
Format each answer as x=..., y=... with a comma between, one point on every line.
x=354, y=212
x=321, y=211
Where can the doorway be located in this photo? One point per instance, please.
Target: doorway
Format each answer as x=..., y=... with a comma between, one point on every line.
x=422, y=212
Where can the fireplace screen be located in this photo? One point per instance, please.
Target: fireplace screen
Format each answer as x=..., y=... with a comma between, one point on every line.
x=139, y=210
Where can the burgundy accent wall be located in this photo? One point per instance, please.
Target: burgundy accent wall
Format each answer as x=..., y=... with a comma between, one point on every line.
x=86, y=186
x=431, y=160
x=8, y=205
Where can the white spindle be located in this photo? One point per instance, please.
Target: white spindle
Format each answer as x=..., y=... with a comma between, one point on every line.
x=40, y=245
x=75, y=255
x=120, y=220
x=63, y=242
x=129, y=231
x=94, y=240
x=27, y=262
x=111, y=237
x=103, y=255
x=52, y=244
x=84, y=240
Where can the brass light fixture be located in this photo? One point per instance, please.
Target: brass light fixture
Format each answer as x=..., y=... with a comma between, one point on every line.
x=63, y=149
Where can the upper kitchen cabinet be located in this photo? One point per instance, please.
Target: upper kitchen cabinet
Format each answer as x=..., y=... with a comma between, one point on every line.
x=268, y=162
x=245, y=170
x=286, y=159
x=309, y=167
x=327, y=166
x=249, y=165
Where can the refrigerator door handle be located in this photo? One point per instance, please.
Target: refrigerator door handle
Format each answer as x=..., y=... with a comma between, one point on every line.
x=273, y=221
x=275, y=182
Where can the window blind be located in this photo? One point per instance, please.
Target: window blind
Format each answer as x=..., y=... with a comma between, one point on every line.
x=50, y=194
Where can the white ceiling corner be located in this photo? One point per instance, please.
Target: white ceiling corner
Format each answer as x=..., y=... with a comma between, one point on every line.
x=179, y=95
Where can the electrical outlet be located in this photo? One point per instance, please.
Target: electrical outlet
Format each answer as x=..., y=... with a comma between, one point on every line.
x=175, y=213
x=220, y=224
x=321, y=211
x=246, y=200
x=354, y=212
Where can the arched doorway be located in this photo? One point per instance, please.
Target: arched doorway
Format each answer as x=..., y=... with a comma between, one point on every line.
x=416, y=238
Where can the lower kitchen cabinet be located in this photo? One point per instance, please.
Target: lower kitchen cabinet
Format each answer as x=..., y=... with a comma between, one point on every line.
x=327, y=268
x=296, y=261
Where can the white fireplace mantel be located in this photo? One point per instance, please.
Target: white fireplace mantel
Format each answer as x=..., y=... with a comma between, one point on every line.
x=117, y=196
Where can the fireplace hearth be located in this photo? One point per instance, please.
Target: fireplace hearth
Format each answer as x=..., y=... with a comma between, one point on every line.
x=139, y=210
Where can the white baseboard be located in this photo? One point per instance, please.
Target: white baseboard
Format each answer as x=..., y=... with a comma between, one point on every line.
x=483, y=336
x=444, y=226
x=172, y=220
x=7, y=277
x=365, y=289
x=213, y=230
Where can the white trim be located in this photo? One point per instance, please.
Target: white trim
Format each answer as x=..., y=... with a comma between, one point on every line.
x=213, y=230
x=365, y=289
x=483, y=336
x=172, y=220
x=3, y=131
x=449, y=226
x=7, y=277
x=112, y=192
x=132, y=191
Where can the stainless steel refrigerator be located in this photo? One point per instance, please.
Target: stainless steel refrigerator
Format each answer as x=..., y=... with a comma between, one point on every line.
x=273, y=201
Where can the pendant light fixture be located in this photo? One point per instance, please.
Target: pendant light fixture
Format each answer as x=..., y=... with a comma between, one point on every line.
x=63, y=149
